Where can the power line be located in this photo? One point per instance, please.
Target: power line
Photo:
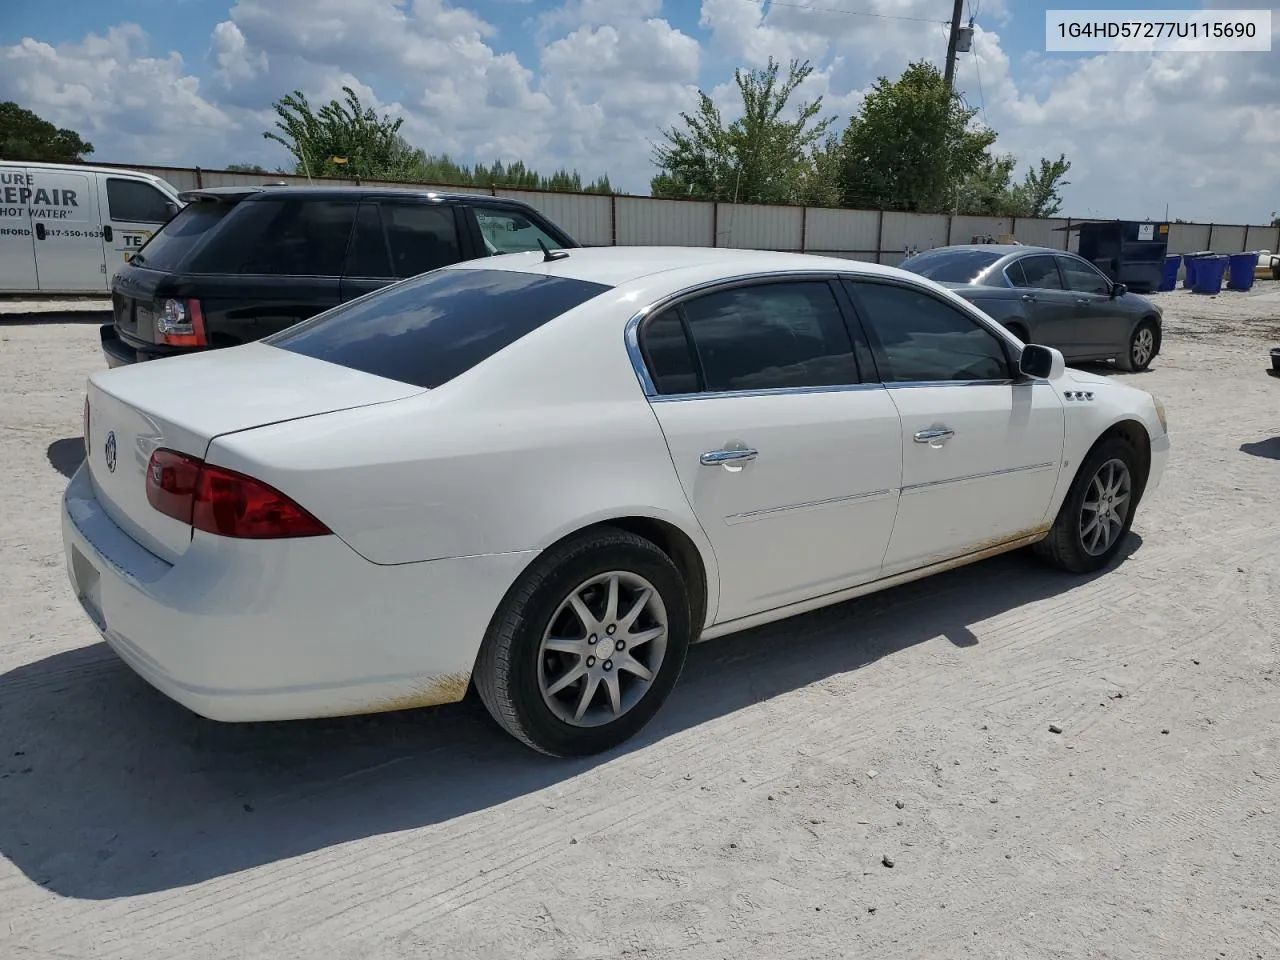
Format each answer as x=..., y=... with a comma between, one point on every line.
x=847, y=13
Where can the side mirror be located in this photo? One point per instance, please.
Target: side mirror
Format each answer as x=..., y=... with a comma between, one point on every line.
x=173, y=208
x=1041, y=363
x=1118, y=290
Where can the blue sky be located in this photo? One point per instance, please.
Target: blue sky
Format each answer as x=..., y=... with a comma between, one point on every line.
x=589, y=83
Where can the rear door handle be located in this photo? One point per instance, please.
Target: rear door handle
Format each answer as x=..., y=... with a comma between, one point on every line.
x=1082, y=300
x=106, y=232
x=1028, y=298
x=728, y=456
x=934, y=435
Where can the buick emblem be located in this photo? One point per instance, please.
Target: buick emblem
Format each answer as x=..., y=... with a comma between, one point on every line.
x=110, y=451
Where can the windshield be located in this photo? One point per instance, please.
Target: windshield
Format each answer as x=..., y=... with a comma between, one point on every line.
x=952, y=266
x=169, y=245
x=429, y=329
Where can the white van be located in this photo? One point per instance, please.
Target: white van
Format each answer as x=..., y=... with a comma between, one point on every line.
x=65, y=228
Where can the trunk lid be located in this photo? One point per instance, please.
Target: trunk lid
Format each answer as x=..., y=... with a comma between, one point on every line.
x=183, y=403
x=133, y=295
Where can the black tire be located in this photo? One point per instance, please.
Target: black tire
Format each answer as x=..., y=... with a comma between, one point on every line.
x=1275, y=270
x=507, y=669
x=1018, y=331
x=1065, y=546
x=1134, y=361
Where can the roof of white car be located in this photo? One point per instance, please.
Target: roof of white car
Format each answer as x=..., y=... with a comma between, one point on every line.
x=614, y=266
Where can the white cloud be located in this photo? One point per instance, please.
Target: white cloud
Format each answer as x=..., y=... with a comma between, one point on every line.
x=1141, y=129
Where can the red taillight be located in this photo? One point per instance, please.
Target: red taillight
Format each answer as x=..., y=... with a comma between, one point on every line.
x=223, y=502
x=180, y=323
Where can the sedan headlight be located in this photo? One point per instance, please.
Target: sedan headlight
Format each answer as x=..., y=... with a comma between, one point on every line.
x=1164, y=424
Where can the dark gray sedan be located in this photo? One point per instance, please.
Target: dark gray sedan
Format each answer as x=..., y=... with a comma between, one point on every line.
x=1049, y=297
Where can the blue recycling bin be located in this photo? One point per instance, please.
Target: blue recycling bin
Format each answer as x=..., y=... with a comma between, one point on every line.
x=1209, y=274
x=1190, y=259
x=1242, y=267
x=1169, y=279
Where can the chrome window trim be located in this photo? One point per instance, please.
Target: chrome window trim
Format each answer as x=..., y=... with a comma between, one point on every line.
x=631, y=336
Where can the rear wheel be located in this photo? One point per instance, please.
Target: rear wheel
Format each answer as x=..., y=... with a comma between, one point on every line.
x=587, y=646
x=1098, y=511
x=1143, y=343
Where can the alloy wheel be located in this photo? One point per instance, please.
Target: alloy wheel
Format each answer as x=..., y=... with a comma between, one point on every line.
x=1106, y=507
x=602, y=649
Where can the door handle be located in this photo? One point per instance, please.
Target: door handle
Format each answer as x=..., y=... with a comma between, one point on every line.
x=730, y=456
x=1083, y=301
x=106, y=232
x=934, y=435
x=39, y=231
x=1028, y=298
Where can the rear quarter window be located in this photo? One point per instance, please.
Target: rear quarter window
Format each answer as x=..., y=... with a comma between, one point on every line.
x=428, y=330
x=170, y=245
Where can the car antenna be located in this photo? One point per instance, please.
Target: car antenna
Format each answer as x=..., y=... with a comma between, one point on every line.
x=549, y=255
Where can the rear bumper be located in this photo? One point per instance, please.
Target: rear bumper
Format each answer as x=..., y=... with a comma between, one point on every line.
x=280, y=630
x=119, y=352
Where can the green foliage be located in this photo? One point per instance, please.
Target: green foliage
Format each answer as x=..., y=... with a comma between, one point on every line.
x=912, y=145
x=347, y=139
x=246, y=168
x=26, y=136
x=759, y=158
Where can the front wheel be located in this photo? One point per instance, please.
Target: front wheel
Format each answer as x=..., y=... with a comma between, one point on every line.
x=587, y=646
x=1098, y=511
x=1141, y=350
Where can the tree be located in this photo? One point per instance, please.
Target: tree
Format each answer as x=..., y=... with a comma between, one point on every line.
x=758, y=158
x=342, y=138
x=1039, y=195
x=912, y=146
x=246, y=168
x=1275, y=219
x=26, y=136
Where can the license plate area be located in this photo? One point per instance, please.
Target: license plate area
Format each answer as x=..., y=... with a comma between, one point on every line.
x=88, y=587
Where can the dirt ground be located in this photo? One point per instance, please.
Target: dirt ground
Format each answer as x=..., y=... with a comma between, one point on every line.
x=752, y=819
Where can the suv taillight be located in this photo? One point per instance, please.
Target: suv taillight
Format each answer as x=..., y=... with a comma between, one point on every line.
x=180, y=323
x=224, y=502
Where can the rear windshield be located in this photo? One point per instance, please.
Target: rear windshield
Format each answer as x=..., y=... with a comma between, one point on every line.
x=951, y=266
x=427, y=330
x=169, y=245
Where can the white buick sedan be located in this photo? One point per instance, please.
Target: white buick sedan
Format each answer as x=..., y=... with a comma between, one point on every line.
x=547, y=475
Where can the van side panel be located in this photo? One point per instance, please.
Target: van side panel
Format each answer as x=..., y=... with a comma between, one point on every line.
x=17, y=238
x=68, y=231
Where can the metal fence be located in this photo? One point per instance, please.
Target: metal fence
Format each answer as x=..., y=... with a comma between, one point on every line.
x=874, y=235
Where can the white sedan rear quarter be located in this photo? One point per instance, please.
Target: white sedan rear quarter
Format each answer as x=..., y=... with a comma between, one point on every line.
x=552, y=475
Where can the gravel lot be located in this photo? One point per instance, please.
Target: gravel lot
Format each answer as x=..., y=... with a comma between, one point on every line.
x=751, y=819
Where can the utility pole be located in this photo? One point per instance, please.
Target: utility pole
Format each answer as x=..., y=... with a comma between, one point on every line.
x=950, y=74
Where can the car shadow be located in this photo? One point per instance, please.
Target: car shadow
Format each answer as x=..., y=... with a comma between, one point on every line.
x=66, y=455
x=1268, y=449
x=108, y=789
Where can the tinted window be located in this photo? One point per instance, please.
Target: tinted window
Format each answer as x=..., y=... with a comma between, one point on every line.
x=368, y=255
x=136, y=202
x=951, y=266
x=169, y=245
x=1083, y=277
x=429, y=329
x=1039, y=272
x=293, y=236
x=769, y=336
x=510, y=231
x=924, y=339
x=422, y=236
x=667, y=354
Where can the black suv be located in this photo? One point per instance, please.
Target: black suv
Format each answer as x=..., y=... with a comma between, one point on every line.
x=238, y=263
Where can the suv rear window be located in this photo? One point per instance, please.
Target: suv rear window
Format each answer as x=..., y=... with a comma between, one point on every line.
x=281, y=236
x=427, y=330
x=169, y=246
